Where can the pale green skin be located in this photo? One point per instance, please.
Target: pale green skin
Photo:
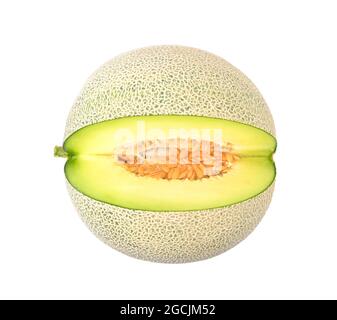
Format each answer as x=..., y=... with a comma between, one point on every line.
x=170, y=80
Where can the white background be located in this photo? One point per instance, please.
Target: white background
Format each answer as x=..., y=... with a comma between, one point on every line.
x=49, y=48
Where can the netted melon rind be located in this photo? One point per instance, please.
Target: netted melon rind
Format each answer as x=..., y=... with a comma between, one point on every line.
x=164, y=80
x=171, y=237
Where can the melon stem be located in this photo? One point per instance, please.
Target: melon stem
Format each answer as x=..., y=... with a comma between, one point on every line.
x=59, y=152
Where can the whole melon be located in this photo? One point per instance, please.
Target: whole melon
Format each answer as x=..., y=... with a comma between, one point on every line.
x=172, y=85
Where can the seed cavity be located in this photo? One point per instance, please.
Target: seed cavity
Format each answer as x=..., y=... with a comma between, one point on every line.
x=177, y=160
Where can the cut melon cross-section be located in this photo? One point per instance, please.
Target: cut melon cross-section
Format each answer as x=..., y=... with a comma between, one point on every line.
x=98, y=168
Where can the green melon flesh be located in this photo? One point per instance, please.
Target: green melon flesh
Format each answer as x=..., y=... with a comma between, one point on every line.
x=90, y=168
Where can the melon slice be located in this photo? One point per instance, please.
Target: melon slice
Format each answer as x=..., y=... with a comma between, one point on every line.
x=169, y=163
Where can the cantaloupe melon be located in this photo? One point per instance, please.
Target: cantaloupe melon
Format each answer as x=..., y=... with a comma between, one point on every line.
x=169, y=154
